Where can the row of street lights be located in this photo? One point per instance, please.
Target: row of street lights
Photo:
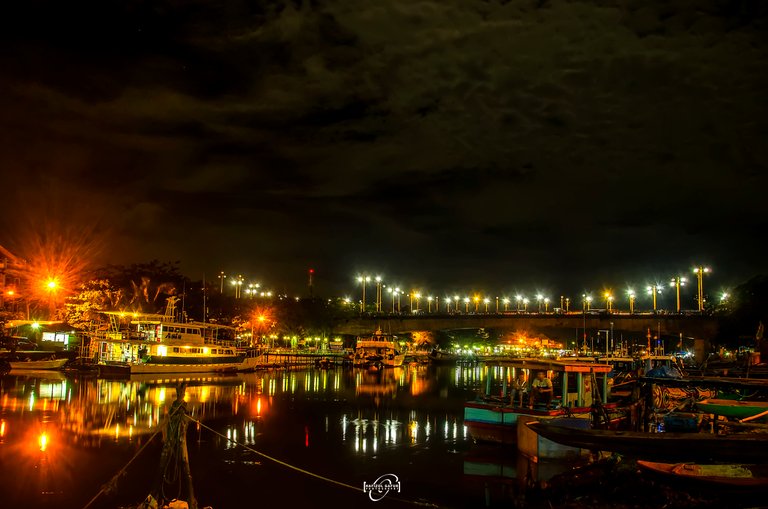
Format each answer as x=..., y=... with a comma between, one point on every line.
x=521, y=301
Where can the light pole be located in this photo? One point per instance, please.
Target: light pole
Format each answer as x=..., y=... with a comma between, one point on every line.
x=466, y=304
x=237, y=283
x=608, y=301
x=392, y=291
x=497, y=305
x=417, y=296
x=51, y=285
x=429, y=304
x=700, y=271
x=378, y=294
x=546, y=304
x=456, y=304
x=506, y=304
x=447, y=304
x=677, y=282
x=631, y=295
x=653, y=290
x=486, y=301
x=539, y=299
x=222, y=277
x=567, y=304
x=363, y=280
x=525, y=304
x=587, y=300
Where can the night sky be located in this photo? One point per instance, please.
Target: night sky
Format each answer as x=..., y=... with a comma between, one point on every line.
x=447, y=145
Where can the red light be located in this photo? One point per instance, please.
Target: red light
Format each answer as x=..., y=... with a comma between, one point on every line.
x=311, y=271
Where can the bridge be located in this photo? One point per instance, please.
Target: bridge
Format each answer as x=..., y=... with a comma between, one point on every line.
x=690, y=326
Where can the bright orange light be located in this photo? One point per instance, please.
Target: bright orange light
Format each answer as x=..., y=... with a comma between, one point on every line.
x=51, y=284
x=2, y=428
x=42, y=440
x=10, y=293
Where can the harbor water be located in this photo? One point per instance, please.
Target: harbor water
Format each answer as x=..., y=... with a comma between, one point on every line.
x=307, y=437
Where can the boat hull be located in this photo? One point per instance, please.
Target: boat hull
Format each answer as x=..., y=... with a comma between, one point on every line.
x=734, y=475
x=661, y=446
x=732, y=408
x=37, y=365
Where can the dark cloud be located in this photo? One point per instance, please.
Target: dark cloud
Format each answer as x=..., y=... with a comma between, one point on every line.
x=505, y=144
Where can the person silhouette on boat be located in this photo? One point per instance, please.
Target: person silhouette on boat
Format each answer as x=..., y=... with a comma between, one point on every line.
x=519, y=389
x=541, y=390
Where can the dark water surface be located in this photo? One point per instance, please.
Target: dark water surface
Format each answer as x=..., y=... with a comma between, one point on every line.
x=348, y=425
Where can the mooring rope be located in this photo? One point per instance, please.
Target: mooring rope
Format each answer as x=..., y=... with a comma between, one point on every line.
x=301, y=470
x=109, y=485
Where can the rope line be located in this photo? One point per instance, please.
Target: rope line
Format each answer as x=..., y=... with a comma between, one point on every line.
x=301, y=470
x=109, y=484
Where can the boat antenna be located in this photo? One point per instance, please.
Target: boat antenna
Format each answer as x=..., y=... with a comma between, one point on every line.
x=203, y=297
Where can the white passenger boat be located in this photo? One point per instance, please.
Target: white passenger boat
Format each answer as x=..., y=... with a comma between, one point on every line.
x=377, y=350
x=154, y=343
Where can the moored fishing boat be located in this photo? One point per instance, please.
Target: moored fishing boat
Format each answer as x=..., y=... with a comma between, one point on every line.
x=736, y=475
x=737, y=409
x=494, y=419
x=37, y=364
x=738, y=447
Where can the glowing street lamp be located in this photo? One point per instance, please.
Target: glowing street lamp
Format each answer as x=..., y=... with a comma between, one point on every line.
x=466, y=304
x=608, y=301
x=506, y=303
x=429, y=303
x=700, y=271
x=221, y=277
x=525, y=304
x=363, y=280
x=417, y=296
x=378, y=293
x=546, y=304
x=631, y=295
x=724, y=297
x=567, y=304
x=237, y=283
x=539, y=299
x=677, y=282
x=456, y=303
x=486, y=301
x=519, y=299
x=653, y=290
x=51, y=286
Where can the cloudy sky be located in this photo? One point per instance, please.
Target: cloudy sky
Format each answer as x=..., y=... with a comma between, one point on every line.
x=491, y=145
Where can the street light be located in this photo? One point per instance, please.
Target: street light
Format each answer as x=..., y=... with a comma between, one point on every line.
x=539, y=299
x=700, y=271
x=506, y=304
x=447, y=304
x=51, y=285
x=429, y=304
x=567, y=304
x=466, y=304
x=417, y=296
x=519, y=299
x=456, y=301
x=378, y=294
x=631, y=295
x=237, y=283
x=653, y=290
x=608, y=301
x=221, y=277
x=677, y=282
x=486, y=301
x=525, y=304
x=546, y=304
x=363, y=280
x=587, y=299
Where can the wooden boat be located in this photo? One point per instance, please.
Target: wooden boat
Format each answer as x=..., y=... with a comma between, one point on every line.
x=662, y=446
x=732, y=408
x=41, y=364
x=726, y=475
x=490, y=419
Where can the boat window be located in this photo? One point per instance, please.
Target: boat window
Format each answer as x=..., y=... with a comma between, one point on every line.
x=176, y=350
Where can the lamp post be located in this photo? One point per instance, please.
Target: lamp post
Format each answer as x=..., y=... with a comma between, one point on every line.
x=392, y=292
x=51, y=285
x=378, y=294
x=466, y=304
x=417, y=296
x=631, y=295
x=653, y=290
x=700, y=271
x=363, y=280
x=546, y=304
x=519, y=299
x=567, y=304
x=486, y=301
x=525, y=305
x=608, y=301
x=539, y=299
x=587, y=299
x=497, y=305
x=677, y=282
x=429, y=304
x=456, y=303
x=221, y=277
x=506, y=304
x=237, y=283
x=447, y=304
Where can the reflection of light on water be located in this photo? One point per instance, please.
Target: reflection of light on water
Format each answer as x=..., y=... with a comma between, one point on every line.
x=42, y=441
x=427, y=427
x=336, y=381
x=31, y=402
x=446, y=429
x=117, y=431
x=2, y=429
x=204, y=393
x=258, y=407
x=344, y=428
x=414, y=429
x=455, y=429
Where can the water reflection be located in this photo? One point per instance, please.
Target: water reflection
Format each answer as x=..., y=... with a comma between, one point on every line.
x=404, y=420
